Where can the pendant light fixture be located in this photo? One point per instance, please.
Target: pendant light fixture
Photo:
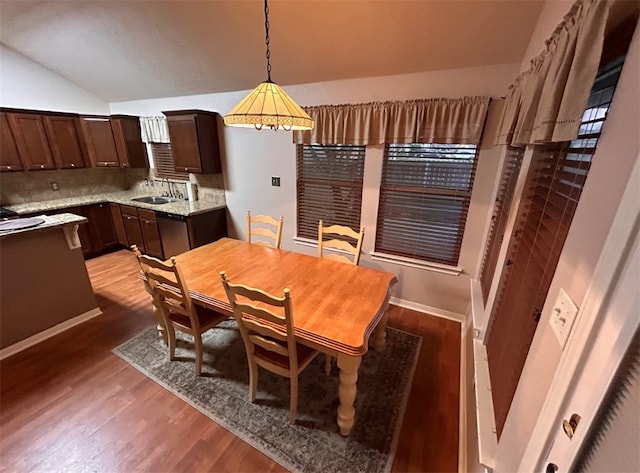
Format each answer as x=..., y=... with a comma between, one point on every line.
x=268, y=105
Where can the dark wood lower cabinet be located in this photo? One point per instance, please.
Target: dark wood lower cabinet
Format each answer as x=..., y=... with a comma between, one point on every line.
x=118, y=224
x=150, y=233
x=132, y=227
x=103, y=235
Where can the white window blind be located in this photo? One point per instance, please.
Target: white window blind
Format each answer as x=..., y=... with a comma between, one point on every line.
x=329, y=186
x=424, y=198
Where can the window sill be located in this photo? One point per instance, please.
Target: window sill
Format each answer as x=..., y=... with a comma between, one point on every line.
x=414, y=263
x=305, y=242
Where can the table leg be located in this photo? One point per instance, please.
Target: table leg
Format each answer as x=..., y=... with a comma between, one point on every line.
x=380, y=333
x=347, y=391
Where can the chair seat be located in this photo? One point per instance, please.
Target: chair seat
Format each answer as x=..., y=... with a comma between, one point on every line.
x=304, y=354
x=207, y=317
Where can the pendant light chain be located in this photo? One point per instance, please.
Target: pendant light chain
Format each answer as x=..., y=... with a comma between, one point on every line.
x=266, y=39
x=268, y=106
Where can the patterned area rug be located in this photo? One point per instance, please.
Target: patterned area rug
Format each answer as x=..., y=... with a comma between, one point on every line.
x=314, y=443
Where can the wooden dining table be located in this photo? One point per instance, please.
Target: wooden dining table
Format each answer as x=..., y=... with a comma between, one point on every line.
x=337, y=307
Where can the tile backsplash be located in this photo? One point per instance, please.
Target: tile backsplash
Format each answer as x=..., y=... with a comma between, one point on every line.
x=37, y=186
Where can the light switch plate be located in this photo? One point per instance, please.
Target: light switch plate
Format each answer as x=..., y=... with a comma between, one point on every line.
x=563, y=315
x=275, y=181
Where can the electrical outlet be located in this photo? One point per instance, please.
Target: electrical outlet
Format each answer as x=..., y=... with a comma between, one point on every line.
x=563, y=315
x=54, y=186
x=275, y=181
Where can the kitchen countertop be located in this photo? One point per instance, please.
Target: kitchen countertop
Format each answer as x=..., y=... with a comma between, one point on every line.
x=181, y=207
x=50, y=221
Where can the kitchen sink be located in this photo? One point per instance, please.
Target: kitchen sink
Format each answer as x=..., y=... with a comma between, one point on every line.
x=154, y=199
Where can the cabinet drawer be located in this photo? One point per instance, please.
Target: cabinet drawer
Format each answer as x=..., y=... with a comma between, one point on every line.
x=147, y=214
x=128, y=210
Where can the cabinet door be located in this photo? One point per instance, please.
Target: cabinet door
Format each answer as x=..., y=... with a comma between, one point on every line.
x=9, y=157
x=66, y=143
x=101, y=144
x=103, y=235
x=150, y=232
x=31, y=139
x=132, y=151
x=118, y=224
x=194, y=140
x=132, y=227
x=151, y=237
x=183, y=133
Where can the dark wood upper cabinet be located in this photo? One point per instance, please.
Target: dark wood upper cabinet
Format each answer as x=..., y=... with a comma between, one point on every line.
x=194, y=141
x=100, y=140
x=9, y=157
x=132, y=152
x=31, y=139
x=65, y=140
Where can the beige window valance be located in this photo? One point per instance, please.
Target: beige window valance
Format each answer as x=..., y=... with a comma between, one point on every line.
x=546, y=102
x=416, y=121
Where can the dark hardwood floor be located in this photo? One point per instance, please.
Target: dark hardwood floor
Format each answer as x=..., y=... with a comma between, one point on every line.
x=69, y=404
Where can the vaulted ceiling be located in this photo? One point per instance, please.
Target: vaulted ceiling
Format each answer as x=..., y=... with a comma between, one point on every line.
x=136, y=49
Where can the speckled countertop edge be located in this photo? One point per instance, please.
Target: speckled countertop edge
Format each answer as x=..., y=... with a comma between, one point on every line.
x=181, y=207
x=50, y=221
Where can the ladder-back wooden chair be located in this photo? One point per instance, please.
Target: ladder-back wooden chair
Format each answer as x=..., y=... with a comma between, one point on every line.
x=264, y=230
x=349, y=253
x=269, y=340
x=170, y=296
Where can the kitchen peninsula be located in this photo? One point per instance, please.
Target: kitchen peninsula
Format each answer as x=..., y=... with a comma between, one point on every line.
x=44, y=285
x=159, y=226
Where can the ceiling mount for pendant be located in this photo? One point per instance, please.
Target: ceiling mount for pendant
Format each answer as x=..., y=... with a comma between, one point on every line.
x=268, y=105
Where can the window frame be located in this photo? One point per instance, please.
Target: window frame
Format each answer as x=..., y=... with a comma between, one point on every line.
x=381, y=251
x=162, y=167
x=309, y=210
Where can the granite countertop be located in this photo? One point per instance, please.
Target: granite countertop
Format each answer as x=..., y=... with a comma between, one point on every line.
x=180, y=207
x=50, y=221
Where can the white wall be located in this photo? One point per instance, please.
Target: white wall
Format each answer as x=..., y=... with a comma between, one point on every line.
x=617, y=152
x=26, y=84
x=251, y=157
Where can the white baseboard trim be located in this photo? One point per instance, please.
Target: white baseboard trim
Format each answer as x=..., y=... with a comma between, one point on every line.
x=48, y=333
x=462, y=427
x=486, y=423
x=445, y=314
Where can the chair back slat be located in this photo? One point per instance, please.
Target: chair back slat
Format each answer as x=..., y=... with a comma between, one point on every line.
x=264, y=230
x=269, y=345
x=263, y=314
x=264, y=329
x=326, y=241
x=258, y=295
